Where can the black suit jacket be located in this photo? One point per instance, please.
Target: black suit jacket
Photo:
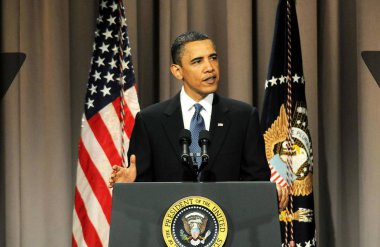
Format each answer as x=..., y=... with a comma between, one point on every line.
x=236, y=150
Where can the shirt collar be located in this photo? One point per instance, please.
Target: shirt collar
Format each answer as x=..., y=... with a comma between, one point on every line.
x=187, y=102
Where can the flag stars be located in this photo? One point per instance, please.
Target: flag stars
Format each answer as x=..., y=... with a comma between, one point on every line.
x=103, y=4
x=122, y=35
x=123, y=22
x=96, y=75
x=125, y=65
x=115, y=49
x=114, y=7
x=113, y=63
x=299, y=245
x=301, y=110
x=111, y=20
x=122, y=81
x=273, y=81
x=99, y=19
x=104, y=48
x=89, y=103
x=313, y=241
x=128, y=51
x=296, y=78
x=109, y=77
x=266, y=84
x=107, y=34
x=106, y=91
x=100, y=61
x=308, y=244
x=92, y=89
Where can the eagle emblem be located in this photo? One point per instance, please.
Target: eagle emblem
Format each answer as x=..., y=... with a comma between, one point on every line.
x=277, y=151
x=195, y=224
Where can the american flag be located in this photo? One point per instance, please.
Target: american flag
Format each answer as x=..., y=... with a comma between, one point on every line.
x=106, y=127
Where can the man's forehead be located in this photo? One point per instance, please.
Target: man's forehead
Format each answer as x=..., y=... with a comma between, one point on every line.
x=199, y=48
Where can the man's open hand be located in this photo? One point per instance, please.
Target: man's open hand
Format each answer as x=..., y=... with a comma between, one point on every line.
x=123, y=174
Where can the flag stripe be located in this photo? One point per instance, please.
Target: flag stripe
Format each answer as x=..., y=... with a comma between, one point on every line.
x=99, y=129
x=90, y=235
x=129, y=119
x=132, y=100
x=74, y=243
x=94, y=209
x=111, y=120
x=77, y=236
x=94, y=178
x=96, y=152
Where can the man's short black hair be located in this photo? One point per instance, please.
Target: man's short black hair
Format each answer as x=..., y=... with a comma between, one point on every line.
x=181, y=40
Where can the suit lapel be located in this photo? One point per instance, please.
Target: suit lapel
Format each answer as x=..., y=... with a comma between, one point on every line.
x=173, y=122
x=218, y=128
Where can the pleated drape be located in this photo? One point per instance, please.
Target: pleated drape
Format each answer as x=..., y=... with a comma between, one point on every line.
x=41, y=112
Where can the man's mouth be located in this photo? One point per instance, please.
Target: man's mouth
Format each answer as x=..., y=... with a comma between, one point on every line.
x=210, y=79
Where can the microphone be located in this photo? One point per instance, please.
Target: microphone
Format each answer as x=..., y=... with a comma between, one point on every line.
x=204, y=142
x=186, y=159
x=185, y=141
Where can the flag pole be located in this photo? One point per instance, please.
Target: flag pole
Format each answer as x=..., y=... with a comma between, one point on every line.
x=121, y=83
x=289, y=114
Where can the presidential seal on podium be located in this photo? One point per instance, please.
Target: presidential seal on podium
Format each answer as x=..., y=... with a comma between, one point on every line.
x=195, y=221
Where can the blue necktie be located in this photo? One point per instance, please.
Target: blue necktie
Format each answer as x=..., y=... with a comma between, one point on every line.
x=196, y=125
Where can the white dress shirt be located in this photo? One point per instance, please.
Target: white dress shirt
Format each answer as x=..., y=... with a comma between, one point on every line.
x=187, y=106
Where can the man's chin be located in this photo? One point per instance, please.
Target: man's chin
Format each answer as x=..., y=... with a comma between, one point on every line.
x=205, y=93
x=212, y=88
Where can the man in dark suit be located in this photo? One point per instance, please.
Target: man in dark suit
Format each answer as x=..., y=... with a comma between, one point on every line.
x=237, y=149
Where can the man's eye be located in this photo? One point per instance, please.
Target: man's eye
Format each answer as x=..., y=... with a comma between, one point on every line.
x=215, y=57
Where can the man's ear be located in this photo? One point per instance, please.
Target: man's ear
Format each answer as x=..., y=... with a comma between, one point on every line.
x=176, y=71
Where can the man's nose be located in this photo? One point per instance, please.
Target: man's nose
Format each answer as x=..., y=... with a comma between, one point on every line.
x=209, y=67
